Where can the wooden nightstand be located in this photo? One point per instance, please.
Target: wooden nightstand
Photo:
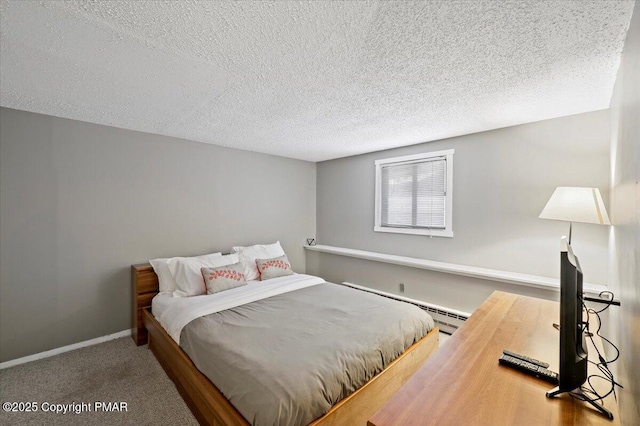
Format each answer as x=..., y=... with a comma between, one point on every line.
x=144, y=286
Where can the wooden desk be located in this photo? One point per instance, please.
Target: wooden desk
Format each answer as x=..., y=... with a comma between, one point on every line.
x=463, y=384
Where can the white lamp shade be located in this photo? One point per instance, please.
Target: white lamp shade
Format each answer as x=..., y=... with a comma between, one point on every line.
x=573, y=204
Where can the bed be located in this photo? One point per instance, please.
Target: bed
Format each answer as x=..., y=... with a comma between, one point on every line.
x=208, y=403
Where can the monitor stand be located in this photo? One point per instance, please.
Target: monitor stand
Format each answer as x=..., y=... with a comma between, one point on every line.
x=581, y=396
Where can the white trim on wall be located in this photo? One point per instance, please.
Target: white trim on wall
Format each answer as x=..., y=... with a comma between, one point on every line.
x=64, y=349
x=452, y=268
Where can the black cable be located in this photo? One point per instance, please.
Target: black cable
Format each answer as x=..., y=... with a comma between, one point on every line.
x=610, y=299
x=602, y=366
x=604, y=338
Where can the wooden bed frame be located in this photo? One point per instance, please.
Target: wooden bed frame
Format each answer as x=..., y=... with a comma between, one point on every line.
x=208, y=404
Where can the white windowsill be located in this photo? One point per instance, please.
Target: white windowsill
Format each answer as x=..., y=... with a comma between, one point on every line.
x=415, y=231
x=452, y=268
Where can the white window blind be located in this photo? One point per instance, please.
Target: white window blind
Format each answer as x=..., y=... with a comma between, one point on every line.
x=413, y=194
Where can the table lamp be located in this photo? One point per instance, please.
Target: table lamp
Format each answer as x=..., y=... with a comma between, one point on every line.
x=575, y=204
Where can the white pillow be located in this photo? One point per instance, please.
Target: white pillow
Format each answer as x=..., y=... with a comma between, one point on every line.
x=248, y=256
x=188, y=275
x=165, y=279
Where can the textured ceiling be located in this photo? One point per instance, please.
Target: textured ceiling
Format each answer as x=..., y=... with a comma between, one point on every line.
x=310, y=80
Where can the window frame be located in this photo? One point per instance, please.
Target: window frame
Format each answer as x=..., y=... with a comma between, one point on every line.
x=448, y=230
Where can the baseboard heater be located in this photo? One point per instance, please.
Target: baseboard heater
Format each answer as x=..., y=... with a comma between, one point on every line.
x=447, y=319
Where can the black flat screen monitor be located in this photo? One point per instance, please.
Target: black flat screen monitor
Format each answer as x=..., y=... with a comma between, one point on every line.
x=573, y=349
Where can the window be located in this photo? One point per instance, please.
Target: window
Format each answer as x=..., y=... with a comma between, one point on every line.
x=414, y=194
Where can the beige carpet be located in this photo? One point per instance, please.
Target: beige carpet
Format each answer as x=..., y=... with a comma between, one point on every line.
x=443, y=337
x=115, y=371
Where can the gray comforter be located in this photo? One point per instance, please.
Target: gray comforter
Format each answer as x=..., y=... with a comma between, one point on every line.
x=287, y=359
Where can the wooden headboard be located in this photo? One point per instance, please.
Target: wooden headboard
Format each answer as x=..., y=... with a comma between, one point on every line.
x=144, y=286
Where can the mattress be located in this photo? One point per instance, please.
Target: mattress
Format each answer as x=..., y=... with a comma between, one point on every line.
x=286, y=359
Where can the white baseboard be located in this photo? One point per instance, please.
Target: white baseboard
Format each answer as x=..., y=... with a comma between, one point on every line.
x=64, y=349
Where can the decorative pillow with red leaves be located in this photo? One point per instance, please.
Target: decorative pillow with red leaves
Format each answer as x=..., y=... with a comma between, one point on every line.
x=223, y=278
x=274, y=268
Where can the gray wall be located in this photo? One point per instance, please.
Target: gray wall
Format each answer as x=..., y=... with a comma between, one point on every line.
x=502, y=180
x=81, y=202
x=625, y=215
